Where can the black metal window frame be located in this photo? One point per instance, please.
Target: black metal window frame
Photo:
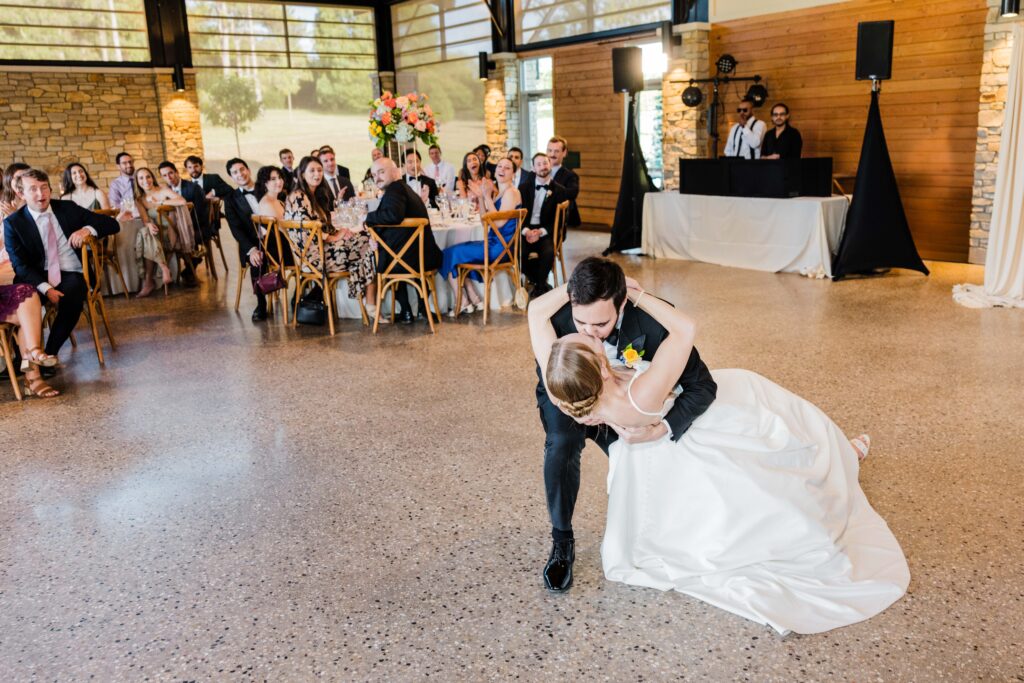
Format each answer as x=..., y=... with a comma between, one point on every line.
x=443, y=45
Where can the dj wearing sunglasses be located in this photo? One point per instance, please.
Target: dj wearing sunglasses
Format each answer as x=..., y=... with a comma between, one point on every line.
x=745, y=136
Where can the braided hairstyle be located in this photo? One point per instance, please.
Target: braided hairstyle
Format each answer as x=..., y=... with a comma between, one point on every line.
x=574, y=377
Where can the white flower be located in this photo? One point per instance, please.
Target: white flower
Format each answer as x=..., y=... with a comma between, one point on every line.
x=404, y=132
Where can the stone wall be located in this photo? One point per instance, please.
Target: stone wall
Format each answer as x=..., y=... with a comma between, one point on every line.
x=685, y=128
x=992, y=103
x=49, y=118
x=501, y=105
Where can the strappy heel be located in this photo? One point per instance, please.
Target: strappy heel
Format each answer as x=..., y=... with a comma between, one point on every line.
x=37, y=386
x=39, y=358
x=861, y=444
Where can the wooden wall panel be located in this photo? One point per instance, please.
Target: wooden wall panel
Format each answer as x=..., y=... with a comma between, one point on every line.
x=929, y=108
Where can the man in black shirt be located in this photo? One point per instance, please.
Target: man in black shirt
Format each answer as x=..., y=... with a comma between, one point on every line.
x=784, y=141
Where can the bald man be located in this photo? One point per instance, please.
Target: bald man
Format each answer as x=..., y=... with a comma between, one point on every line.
x=397, y=203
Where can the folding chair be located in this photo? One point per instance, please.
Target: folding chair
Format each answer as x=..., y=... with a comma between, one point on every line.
x=422, y=280
x=507, y=260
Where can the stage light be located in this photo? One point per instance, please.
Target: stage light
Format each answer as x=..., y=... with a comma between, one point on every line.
x=178, y=78
x=485, y=65
x=758, y=93
x=1009, y=8
x=726, y=64
x=693, y=96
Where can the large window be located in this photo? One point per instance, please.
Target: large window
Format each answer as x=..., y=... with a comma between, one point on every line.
x=649, y=111
x=273, y=75
x=436, y=46
x=542, y=20
x=74, y=30
x=537, y=106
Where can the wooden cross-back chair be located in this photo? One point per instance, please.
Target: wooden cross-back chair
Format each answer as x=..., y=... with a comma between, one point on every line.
x=95, y=310
x=558, y=239
x=7, y=351
x=507, y=260
x=310, y=267
x=108, y=252
x=163, y=213
x=214, y=207
x=422, y=280
x=269, y=237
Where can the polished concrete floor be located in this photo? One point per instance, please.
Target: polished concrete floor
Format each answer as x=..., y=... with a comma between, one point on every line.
x=226, y=501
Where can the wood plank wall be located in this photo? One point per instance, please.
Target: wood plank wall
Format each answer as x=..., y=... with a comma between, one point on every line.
x=929, y=108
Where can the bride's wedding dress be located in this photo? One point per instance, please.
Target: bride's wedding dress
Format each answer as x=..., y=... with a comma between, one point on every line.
x=756, y=510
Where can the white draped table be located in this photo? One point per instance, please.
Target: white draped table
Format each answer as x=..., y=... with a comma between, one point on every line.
x=446, y=235
x=798, y=235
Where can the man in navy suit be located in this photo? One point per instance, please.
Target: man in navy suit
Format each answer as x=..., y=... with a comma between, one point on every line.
x=211, y=184
x=44, y=240
x=192, y=193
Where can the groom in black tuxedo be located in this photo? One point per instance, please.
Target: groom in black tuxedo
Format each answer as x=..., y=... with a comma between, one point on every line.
x=541, y=197
x=44, y=240
x=598, y=308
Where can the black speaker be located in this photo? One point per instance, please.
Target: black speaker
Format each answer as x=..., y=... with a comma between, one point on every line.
x=874, y=50
x=627, y=69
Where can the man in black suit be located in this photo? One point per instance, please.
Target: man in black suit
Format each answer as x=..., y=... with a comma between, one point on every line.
x=336, y=176
x=540, y=199
x=421, y=184
x=598, y=308
x=211, y=184
x=396, y=204
x=191, y=193
x=239, y=206
x=566, y=177
x=44, y=240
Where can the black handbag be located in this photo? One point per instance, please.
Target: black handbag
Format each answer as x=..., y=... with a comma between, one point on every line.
x=311, y=312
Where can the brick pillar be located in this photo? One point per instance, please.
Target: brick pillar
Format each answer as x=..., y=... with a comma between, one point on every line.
x=995, y=69
x=685, y=128
x=501, y=105
x=182, y=134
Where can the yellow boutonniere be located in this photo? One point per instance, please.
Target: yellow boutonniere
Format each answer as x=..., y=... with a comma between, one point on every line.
x=630, y=356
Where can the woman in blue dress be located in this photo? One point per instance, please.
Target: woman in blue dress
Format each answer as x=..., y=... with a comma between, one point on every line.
x=504, y=197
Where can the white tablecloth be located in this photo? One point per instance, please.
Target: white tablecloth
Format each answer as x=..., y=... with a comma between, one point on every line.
x=445, y=235
x=797, y=235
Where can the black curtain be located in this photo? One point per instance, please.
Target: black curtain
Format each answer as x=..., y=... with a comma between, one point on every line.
x=877, y=234
x=636, y=182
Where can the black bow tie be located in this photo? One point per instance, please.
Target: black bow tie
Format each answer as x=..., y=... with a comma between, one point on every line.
x=245, y=192
x=613, y=338
x=542, y=187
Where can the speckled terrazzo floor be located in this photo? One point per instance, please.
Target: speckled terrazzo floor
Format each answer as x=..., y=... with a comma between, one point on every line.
x=231, y=502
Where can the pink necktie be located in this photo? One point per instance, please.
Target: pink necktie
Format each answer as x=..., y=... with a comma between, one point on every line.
x=52, y=252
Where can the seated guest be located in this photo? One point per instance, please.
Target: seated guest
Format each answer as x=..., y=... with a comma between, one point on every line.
x=483, y=153
x=540, y=199
x=239, y=206
x=122, y=188
x=20, y=305
x=375, y=155
x=344, y=250
x=79, y=188
x=745, y=136
x=211, y=184
x=10, y=195
x=491, y=199
x=415, y=179
x=191, y=192
x=336, y=178
x=396, y=204
x=783, y=141
x=469, y=176
x=270, y=188
x=522, y=176
x=442, y=173
x=44, y=242
x=558, y=147
x=287, y=159
x=150, y=249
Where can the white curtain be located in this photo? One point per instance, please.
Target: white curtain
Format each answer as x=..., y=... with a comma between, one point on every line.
x=1004, y=261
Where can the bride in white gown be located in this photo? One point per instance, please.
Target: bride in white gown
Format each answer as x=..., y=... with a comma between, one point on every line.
x=756, y=509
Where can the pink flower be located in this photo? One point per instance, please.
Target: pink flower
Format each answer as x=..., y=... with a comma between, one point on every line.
x=421, y=126
x=386, y=118
x=427, y=110
x=413, y=97
x=389, y=103
x=411, y=117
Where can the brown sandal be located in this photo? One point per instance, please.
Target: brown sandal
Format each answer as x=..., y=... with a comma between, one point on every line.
x=36, y=386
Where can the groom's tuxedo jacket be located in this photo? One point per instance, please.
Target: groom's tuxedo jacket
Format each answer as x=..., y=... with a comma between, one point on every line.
x=645, y=333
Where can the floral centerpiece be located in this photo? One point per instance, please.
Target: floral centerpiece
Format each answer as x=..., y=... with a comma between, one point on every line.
x=403, y=119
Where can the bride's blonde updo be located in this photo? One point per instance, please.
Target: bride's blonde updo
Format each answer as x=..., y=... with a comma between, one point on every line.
x=574, y=377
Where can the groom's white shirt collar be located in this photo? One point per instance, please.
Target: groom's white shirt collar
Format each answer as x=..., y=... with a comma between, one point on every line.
x=610, y=350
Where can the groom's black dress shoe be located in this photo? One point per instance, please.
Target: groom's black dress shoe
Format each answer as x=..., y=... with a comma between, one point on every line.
x=259, y=314
x=558, y=570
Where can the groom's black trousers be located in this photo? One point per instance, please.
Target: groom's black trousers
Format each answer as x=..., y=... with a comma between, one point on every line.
x=563, y=443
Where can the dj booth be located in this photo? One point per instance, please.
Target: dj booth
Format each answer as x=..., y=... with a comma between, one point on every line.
x=776, y=215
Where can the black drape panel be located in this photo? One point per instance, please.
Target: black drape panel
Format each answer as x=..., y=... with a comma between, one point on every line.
x=877, y=234
x=636, y=182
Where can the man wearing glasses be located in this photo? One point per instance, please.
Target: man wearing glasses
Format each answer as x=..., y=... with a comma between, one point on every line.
x=784, y=141
x=745, y=136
